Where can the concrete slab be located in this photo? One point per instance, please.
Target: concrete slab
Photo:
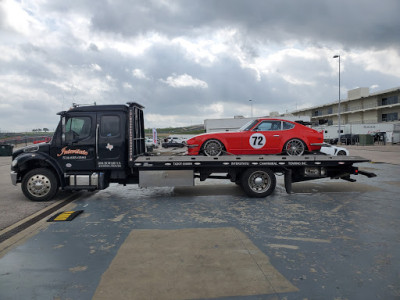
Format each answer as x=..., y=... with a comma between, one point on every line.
x=189, y=264
x=389, y=154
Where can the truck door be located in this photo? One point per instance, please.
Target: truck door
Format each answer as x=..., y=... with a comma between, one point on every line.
x=111, y=148
x=76, y=150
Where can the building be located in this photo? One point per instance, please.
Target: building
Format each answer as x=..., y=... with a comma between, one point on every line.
x=360, y=107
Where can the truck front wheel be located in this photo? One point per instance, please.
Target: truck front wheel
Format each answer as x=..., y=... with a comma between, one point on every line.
x=258, y=183
x=39, y=185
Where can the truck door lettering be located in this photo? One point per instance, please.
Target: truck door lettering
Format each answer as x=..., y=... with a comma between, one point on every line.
x=65, y=151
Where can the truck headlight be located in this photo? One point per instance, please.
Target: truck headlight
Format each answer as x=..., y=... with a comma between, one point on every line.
x=14, y=163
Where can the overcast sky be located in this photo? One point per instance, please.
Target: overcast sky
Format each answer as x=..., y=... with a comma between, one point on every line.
x=187, y=61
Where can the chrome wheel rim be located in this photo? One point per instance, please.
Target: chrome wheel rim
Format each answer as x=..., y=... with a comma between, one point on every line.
x=295, y=148
x=213, y=148
x=259, y=182
x=39, y=185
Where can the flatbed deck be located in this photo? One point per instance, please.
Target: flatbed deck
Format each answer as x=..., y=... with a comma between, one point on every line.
x=146, y=162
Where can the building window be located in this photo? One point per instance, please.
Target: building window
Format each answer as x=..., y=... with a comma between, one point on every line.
x=317, y=113
x=390, y=100
x=330, y=110
x=390, y=117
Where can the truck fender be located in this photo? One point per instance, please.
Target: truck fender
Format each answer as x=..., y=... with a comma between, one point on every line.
x=25, y=158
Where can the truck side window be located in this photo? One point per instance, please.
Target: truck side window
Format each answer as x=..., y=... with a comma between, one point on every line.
x=109, y=126
x=77, y=128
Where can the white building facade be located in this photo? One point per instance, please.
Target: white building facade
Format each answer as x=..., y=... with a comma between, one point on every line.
x=360, y=107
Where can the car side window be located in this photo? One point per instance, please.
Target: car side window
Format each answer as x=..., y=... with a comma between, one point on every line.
x=287, y=125
x=268, y=126
x=109, y=126
x=77, y=128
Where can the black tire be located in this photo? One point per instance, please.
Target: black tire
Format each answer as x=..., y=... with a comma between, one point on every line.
x=341, y=152
x=39, y=185
x=212, y=148
x=294, y=147
x=258, y=182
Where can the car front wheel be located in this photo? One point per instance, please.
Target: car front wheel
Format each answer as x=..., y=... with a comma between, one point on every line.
x=213, y=148
x=294, y=147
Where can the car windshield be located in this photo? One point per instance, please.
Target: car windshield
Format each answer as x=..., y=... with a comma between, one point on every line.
x=248, y=125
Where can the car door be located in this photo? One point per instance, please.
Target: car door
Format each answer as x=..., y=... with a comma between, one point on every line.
x=266, y=137
x=76, y=150
x=111, y=142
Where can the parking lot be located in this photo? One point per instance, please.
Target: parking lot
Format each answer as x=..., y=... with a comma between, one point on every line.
x=329, y=239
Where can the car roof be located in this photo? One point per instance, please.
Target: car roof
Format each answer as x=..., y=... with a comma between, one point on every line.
x=275, y=119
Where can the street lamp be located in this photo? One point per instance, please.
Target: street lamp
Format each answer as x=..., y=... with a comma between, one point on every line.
x=251, y=105
x=338, y=56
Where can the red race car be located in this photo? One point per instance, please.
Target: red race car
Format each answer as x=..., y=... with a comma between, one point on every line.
x=262, y=136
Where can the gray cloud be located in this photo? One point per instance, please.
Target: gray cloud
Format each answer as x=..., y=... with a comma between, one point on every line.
x=357, y=23
x=277, y=53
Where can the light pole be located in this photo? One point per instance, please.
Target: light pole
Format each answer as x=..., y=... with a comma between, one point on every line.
x=338, y=56
x=251, y=105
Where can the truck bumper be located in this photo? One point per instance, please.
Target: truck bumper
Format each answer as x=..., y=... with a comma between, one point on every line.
x=14, y=176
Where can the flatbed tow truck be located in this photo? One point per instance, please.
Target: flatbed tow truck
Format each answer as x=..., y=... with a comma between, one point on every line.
x=94, y=146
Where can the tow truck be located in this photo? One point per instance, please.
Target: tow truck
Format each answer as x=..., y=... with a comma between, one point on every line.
x=94, y=146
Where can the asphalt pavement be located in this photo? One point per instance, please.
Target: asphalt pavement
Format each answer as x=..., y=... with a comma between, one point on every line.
x=330, y=239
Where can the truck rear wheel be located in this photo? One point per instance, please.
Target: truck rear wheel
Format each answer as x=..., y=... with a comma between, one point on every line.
x=39, y=185
x=258, y=182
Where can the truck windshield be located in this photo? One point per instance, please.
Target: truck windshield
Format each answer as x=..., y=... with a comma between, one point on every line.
x=248, y=125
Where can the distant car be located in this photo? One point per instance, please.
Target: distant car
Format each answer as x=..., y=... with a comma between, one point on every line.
x=333, y=150
x=150, y=143
x=173, y=144
x=176, y=139
x=260, y=136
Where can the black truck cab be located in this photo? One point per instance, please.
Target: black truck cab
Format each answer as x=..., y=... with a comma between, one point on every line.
x=91, y=147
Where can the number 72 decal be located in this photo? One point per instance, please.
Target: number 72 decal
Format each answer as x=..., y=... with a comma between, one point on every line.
x=257, y=140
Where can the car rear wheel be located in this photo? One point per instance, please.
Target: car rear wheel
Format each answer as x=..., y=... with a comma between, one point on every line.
x=213, y=148
x=294, y=147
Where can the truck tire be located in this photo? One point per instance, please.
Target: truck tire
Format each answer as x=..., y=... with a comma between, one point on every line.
x=258, y=182
x=39, y=185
